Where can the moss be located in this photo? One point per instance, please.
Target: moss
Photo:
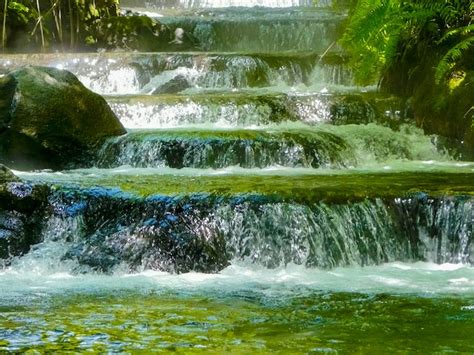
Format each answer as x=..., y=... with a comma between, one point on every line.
x=336, y=187
x=7, y=92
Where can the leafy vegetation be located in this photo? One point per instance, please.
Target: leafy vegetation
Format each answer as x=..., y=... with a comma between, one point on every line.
x=421, y=50
x=382, y=33
x=70, y=24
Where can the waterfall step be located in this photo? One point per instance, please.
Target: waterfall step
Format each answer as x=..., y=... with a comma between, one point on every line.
x=132, y=73
x=398, y=179
x=243, y=29
x=201, y=222
x=254, y=109
x=322, y=146
x=180, y=4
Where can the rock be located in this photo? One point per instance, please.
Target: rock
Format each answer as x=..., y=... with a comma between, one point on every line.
x=6, y=175
x=12, y=234
x=175, y=85
x=137, y=31
x=48, y=119
x=163, y=233
x=25, y=153
x=22, y=211
x=369, y=108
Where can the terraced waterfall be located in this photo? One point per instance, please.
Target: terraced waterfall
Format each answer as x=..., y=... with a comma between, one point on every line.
x=260, y=202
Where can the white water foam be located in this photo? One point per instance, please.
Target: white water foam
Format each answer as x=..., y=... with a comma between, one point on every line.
x=397, y=278
x=393, y=166
x=226, y=3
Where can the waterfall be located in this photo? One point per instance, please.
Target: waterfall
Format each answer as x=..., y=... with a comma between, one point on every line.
x=101, y=230
x=260, y=201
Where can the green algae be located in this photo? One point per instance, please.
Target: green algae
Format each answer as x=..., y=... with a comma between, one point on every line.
x=331, y=188
x=301, y=188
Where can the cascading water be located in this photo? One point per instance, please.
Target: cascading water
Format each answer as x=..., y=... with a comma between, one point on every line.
x=134, y=73
x=259, y=202
x=164, y=4
x=253, y=110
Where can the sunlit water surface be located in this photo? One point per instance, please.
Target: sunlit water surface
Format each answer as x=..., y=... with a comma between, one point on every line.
x=396, y=307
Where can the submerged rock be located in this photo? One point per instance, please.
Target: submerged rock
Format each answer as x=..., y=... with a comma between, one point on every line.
x=48, y=119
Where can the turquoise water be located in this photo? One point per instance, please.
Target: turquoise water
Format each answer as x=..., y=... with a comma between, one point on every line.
x=398, y=308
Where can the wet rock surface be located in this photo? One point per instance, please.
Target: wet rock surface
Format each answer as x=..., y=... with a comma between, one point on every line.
x=22, y=211
x=103, y=230
x=175, y=85
x=48, y=119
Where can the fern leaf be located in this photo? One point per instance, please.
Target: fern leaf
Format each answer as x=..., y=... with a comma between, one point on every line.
x=448, y=61
x=457, y=31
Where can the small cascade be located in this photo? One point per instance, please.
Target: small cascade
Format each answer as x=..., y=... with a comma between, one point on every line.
x=225, y=148
x=251, y=110
x=247, y=142
x=324, y=147
x=164, y=4
x=319, y=236
x=102, y=229
x=133, y=73
x=260, y=30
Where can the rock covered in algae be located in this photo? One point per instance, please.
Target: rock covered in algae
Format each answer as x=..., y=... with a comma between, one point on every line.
x=6, y=175
x=48, y=119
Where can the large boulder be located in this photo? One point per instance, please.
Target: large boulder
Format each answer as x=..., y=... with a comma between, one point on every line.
x=48, y=119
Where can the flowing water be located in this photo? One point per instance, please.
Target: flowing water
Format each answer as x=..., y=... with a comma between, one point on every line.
x=259, y=203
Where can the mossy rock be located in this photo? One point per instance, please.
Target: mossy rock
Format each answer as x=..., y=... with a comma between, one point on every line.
x=48, y=119
x=6, y=175
x=447, y=112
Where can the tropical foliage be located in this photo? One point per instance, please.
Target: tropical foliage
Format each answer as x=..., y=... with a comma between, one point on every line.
x=383, y=32
x=66, y=24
